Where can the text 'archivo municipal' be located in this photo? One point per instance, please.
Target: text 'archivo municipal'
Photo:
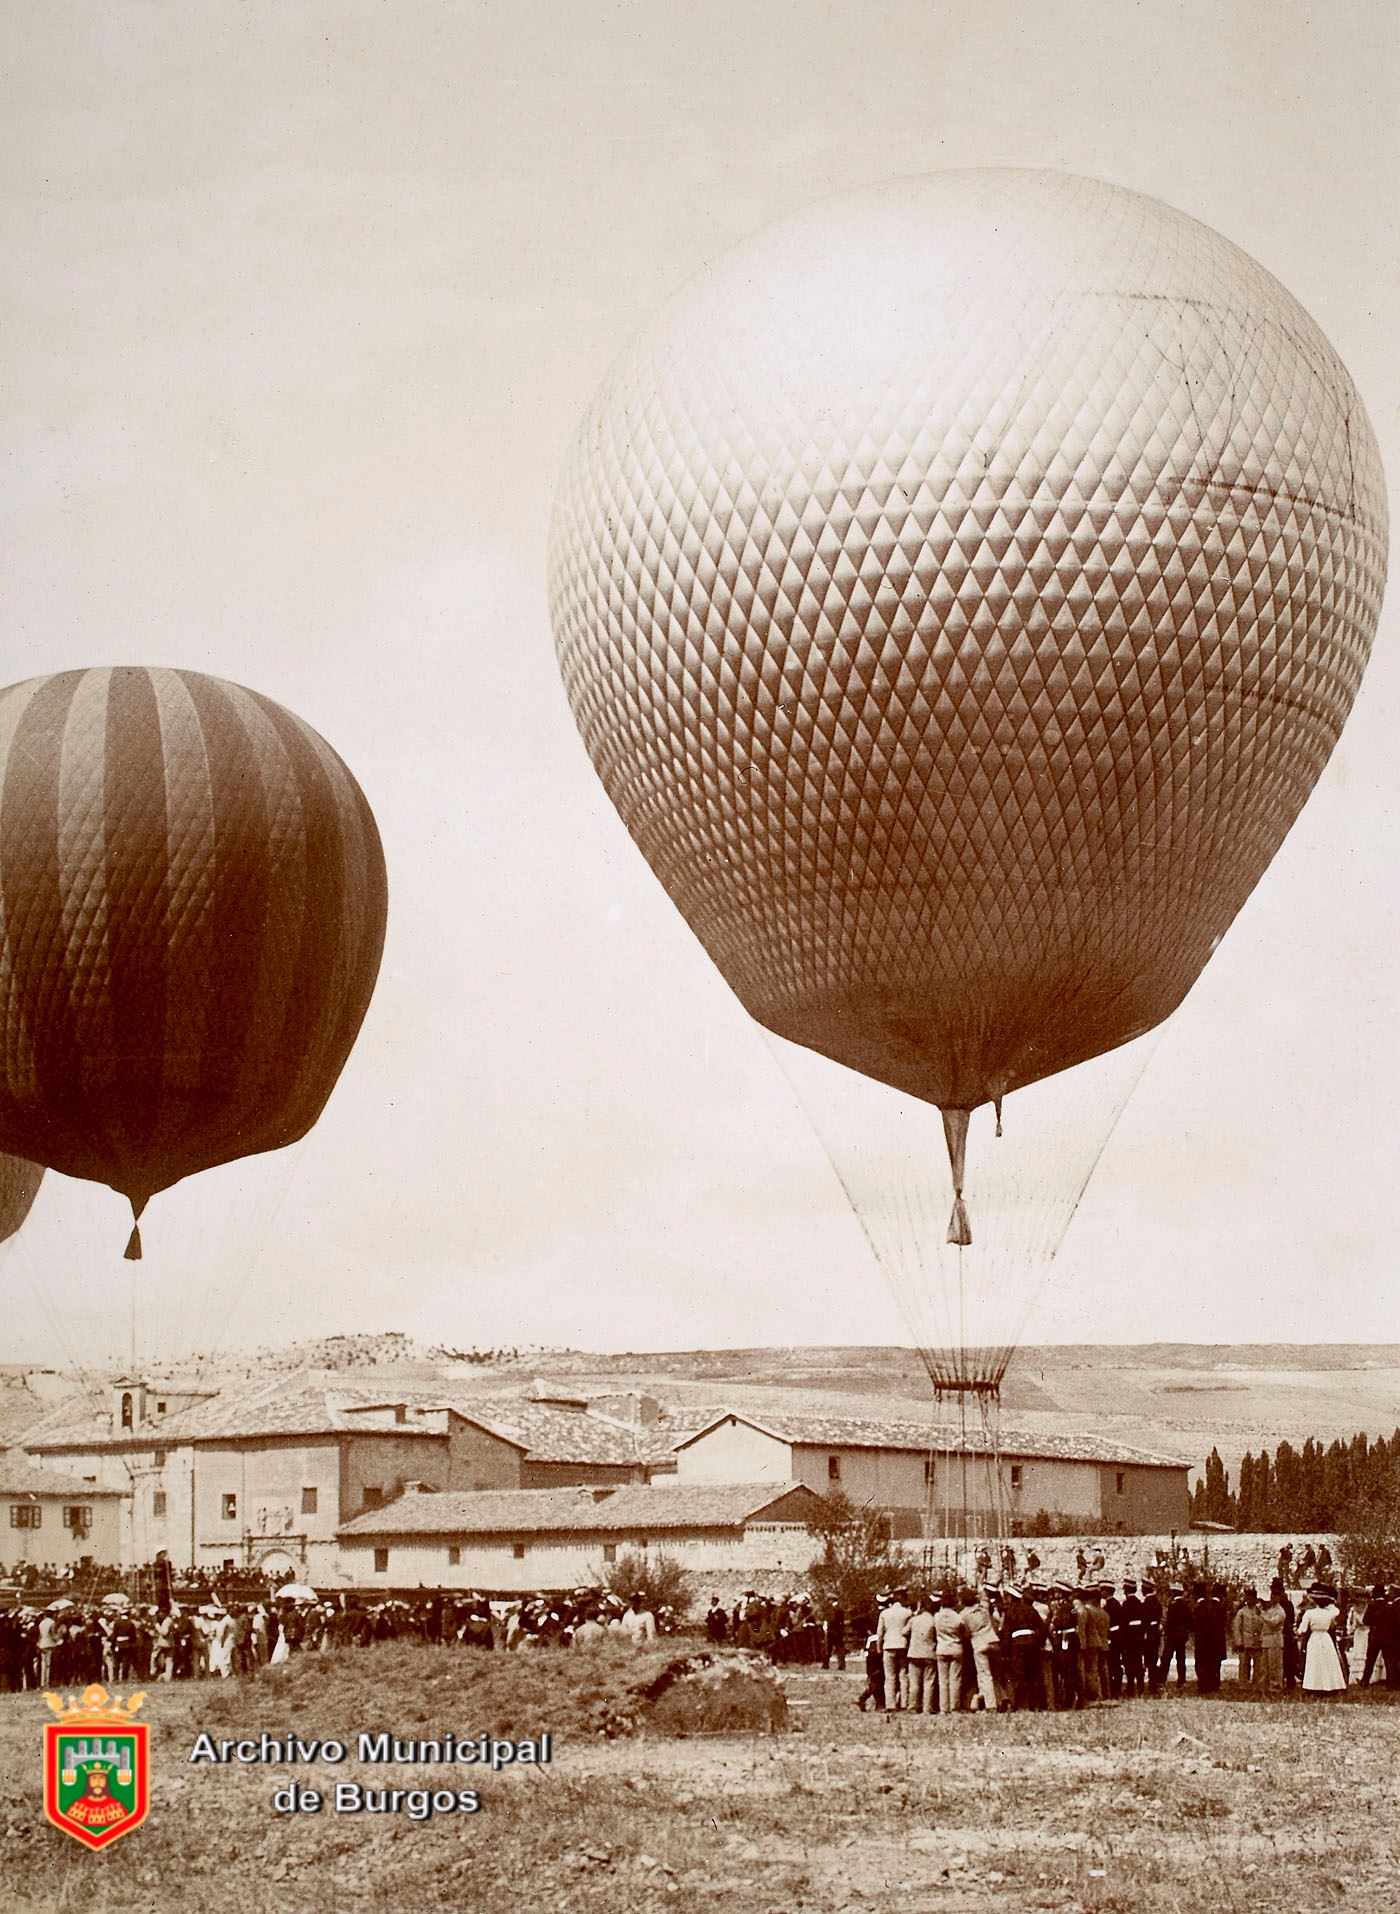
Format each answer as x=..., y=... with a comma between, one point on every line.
x=276, y=1751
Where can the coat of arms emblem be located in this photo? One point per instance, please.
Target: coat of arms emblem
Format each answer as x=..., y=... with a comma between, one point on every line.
x=97, y=1773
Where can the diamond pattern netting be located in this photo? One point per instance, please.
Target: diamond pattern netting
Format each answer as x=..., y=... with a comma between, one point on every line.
x=959, y=591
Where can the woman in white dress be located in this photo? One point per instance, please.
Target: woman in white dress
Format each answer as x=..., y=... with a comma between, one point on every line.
x=1323, y=1673
x=221, y=1644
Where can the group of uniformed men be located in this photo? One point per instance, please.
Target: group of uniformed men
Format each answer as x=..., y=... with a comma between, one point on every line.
x=1057, y=1646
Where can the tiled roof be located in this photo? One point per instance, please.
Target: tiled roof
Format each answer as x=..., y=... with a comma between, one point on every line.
x=67, y=1426
x=549, y=1434
x=659, y=1441
x=310, y=1404
x=300, y=1405
x=638, y=1509
x=852, y=1432
x=295, y=1405
x=19, y=1476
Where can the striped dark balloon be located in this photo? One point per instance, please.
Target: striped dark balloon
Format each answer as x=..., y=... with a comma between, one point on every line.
x=192, y=911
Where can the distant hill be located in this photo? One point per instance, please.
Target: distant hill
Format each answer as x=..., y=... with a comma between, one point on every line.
x=1179, y=1398
x=1175, y=1398
x=389, y=1349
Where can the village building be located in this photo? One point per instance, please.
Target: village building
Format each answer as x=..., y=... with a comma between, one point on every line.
x=936, y=1482
x=53, y=1519
x=509, y=1541
x=262, y=1478
x=273, y=1476
x=550, y=1440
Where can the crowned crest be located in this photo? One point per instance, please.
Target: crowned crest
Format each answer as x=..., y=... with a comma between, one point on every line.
x=95, y=1705
x=97, y=1783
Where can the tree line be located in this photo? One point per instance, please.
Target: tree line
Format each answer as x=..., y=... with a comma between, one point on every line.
x=1339, y=1487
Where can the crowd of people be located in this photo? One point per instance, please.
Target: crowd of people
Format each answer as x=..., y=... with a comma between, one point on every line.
x=157, y=1581
x=1055, y=1646
x=990, y=1645
x=115, y=1640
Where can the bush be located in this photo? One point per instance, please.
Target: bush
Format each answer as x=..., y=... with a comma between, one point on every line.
x=664, y=1586
x=858, y=1559
x=1043, y=1524
x=1371, y=1553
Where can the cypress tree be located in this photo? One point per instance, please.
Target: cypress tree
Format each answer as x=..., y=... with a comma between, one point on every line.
x=1288, y=1489
x=1218, y=1500
x=1264, y=1493
x=1311, y=1488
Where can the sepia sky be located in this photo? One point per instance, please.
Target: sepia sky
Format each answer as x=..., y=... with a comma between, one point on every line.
x=302, y=301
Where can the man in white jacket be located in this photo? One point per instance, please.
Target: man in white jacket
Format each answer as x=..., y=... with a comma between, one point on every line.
x=638, y=1623
x=892, y=1639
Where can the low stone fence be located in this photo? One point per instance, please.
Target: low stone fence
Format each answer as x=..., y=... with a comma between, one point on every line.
x=1191, y=1554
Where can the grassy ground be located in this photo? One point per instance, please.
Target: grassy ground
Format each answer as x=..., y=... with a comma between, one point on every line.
x=1136, y=1809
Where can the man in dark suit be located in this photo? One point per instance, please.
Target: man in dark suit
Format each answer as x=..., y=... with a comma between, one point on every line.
x=1150, y=1608
x=1379, y=1620
x=834, y=1640
x=1130, y=1637
x=1209, y=1628
x=1176, y=1632
x=1113, y=1608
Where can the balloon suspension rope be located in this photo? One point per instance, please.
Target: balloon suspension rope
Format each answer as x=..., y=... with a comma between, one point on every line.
x=955, y=1136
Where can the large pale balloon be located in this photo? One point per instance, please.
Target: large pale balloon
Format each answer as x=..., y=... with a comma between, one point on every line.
x=959, y=589
x=192, y=909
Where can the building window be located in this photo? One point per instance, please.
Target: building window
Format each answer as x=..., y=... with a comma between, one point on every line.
x=78, y=1517
x=928, y=1471
x=158, y=1502
x=159, y=1457
x=308, y=1501
x=610, y=1551
x=374, y=1498
x=833, y=1468
x=381, y=1561
x=160, y=1408
x=1120, y=1483
x=400, y=1412
x=454, y=1557
x=1017, y=1475
x=230, y=1508
x=126, y=1408
x=518, y=1551
x=26, y=1515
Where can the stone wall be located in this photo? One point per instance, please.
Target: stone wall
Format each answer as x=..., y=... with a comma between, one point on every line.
x=1254, y=1558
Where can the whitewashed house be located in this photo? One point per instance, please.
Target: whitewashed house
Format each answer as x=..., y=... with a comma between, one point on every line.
x=517, y=1540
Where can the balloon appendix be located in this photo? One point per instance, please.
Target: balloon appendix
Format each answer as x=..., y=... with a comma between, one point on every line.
x=959, y=591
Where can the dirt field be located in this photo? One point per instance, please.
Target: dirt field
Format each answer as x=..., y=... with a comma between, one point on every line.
x=1142, y=1807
